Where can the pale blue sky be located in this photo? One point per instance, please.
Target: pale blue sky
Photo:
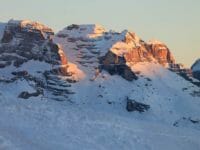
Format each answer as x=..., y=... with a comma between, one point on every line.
x=175, y=22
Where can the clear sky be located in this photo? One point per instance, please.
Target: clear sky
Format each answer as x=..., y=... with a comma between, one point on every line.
x=175, y=22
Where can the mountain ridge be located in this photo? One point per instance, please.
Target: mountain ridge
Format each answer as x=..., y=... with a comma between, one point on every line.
x=94, y=89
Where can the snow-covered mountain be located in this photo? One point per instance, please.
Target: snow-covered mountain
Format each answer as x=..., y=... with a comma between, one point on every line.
x=29, y=59
x=112, y=90
x=2, y=27
x=196, y=69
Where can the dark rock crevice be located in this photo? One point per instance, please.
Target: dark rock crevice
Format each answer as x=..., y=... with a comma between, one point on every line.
x=133, y=105
x=117, y=65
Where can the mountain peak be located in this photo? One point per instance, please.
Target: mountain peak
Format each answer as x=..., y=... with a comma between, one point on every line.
x=88, y=81
x=196, y=69
x=27, y=22
x=196, y=65
x=83, y=31
x=15, y=29
x=154, y=41
x=161, y=52
x=29, y=25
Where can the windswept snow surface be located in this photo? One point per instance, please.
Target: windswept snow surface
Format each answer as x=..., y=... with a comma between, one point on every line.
x=91, y=123
x=47, y=125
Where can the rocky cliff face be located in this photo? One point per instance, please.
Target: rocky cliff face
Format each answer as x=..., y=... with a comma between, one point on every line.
x=25, y=40
x=117, y=65
x=27, y=47
x=134, y=50
x=35, y=68
x=86, y=43
x=196, y=69
x=129, y=50
x=160, y=52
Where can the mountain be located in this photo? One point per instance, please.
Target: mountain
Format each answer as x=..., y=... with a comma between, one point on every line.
x=196, y=69
x=88, y=88
x=30, y=59
x=2, y=27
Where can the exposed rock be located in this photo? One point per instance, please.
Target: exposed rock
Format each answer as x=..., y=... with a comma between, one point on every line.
x=132, y=105
x=20, y=73
x=117, y=65
x=27, y=95
x=188, y=122
x=160, y=52
x=57, y=86
x=73, y=26
x=196, y=74
x=7, y=37
x=26, y=40
x=132, y=48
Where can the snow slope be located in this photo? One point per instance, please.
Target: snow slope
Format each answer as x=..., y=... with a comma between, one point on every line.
x=196, y=66
x=2, y=26
x=90, y=122
x=47, y=125
x=95, y=116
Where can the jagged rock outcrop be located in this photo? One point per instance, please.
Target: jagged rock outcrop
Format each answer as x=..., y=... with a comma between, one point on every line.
x=117, y=65
x=160, y=52
x=196, y=69
x=25, y=43
x=117, y=52
x=93, y=41
x=132, y=48
x=25, y=40
x=132, y=105
x=136, y=50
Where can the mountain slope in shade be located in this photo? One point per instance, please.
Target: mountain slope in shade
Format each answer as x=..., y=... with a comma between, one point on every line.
x=94, y=88
x=2, y=27
x=196, y=69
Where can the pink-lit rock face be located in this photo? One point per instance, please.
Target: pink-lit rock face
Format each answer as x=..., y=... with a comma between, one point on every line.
x=161, y=52
x=132, y=48
x=136, y=50
x=138, y=55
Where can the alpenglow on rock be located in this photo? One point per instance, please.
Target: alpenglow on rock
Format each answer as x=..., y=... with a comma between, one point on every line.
x=131, y=49
x=85, y=43
x=160, y=52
